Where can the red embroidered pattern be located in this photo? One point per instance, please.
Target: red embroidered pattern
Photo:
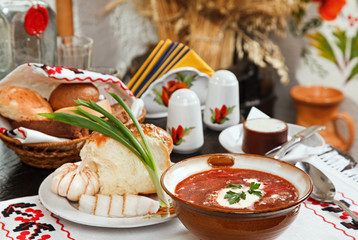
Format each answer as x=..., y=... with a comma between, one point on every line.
x=27, y=223
x=327, y=206
x=62, y=226
x=53, y=70
x=354, y=203
x=22, y=131
x=5, y=230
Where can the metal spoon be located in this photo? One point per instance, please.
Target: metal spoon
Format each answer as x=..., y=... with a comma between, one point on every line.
x=323, y=188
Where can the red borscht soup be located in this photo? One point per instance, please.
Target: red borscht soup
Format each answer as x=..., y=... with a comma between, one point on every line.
x=239, y=189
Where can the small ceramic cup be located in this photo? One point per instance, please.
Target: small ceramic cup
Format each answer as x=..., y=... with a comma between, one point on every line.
x=263, y=134
x=184, y=121
x=222, y=107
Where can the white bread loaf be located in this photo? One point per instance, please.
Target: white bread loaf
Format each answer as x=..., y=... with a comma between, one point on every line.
x=119, y=170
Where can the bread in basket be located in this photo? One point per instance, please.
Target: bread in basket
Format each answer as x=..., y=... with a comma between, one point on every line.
x=44, y=79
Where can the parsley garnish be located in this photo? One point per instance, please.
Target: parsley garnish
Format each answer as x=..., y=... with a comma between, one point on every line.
x=235, y=197
x=234, y=186
x=253, y=190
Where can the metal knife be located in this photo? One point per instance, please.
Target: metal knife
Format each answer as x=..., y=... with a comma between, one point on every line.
x=280, y=151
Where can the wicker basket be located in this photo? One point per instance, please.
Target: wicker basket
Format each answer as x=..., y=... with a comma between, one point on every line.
x=50, y=155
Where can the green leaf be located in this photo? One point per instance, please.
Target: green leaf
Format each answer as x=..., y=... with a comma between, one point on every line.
x=253, y=187
x=158, y=96
x=180, y=77
x=179, y=142
x=341, y=40
x=188, y=81
x=234, y=186
x=212, y=118
x=320, y=42
x=354, y=46
x=94, y=126
x=353, y=73
x=229, y=110
x=234, y=197
x=223, y=120
x=187, y=130
x=257, y=193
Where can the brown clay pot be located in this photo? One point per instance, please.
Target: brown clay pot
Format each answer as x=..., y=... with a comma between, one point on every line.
x=318, y=105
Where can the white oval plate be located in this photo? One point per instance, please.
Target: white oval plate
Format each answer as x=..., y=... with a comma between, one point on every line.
x=61, y=207
x=157, y=110
x=231, y=137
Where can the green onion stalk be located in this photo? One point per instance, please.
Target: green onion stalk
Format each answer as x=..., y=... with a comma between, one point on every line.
x=115, y=129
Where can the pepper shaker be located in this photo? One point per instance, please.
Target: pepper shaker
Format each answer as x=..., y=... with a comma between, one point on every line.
x=184, y=122
x=222, y=107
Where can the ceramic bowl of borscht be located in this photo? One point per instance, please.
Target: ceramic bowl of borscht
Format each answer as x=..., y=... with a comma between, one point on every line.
x=236, y=196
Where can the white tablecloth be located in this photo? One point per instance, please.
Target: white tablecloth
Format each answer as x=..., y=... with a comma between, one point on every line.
x=28, y=218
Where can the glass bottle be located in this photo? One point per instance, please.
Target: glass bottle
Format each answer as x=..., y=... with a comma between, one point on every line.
x=5, y=46
x=26, y=47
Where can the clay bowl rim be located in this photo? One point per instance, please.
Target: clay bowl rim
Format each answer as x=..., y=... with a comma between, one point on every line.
x=296, y=94
x=238, y=212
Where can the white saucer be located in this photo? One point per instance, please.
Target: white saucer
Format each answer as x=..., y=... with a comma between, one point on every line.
x=231, y=138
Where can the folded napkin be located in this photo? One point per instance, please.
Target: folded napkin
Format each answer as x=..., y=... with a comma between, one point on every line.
x=166, y=56
x=25, y=135
x=43, y=79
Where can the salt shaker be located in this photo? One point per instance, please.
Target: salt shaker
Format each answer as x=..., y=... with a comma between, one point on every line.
x=222, y=107
x=184, y=121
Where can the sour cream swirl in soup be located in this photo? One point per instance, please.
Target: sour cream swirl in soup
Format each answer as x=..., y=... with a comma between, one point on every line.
x=239, y=189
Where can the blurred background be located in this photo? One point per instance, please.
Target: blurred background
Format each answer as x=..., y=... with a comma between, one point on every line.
x=270, y=45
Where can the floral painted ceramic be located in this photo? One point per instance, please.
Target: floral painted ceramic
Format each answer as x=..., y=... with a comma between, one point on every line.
x=182, y=80
x=179, y=133
x=221, y=115
x=184, y=122
x=156, y=97
x=329, y=52
x=222, y=107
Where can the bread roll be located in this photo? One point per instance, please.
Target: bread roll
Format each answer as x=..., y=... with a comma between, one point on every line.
x=119, y=170
x=22, y=104
x=64, y=94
